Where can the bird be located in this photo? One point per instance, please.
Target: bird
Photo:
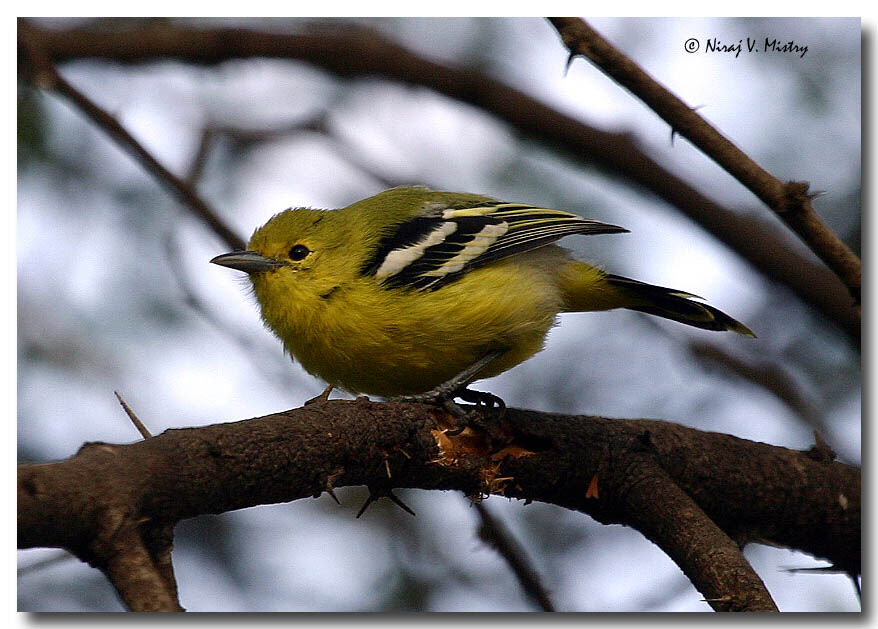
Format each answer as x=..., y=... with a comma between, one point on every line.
x=415, y=293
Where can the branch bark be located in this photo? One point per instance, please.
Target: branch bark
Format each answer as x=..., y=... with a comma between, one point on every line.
x=351, y=53
x=790, y=200
x=690, y=492
x=142, y=576
x=695, y=543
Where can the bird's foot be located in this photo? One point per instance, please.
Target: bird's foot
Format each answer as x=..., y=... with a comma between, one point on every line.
x=482, y=399
x=445, y=394
x=466, y=417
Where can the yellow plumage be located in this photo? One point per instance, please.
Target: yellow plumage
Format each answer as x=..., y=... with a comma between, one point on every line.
x=400, y=292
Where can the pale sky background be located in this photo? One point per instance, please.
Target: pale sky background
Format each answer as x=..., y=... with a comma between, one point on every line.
x=100, y=309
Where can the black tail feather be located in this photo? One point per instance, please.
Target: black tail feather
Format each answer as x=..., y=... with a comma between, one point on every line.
x=676, y=305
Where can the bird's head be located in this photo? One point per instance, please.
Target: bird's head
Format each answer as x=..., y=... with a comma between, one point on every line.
x=298, y=254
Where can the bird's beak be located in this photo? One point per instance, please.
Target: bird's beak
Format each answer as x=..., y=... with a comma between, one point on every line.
x=247, y=261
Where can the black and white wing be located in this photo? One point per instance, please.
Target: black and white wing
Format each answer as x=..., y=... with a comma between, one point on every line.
x=438, y=246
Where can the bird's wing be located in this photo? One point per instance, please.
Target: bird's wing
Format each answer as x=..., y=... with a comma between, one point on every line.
x=442, y=243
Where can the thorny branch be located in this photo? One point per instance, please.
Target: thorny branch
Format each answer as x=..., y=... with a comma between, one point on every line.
x=650, y=475
x=790, y=200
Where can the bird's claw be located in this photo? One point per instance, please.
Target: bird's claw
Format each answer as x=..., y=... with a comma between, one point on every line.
x=482, y=399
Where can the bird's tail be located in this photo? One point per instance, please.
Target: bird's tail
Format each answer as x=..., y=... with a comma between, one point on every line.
x=587, y=288
x=676, y=305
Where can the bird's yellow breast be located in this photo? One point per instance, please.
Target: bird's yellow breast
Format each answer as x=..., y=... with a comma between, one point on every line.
x=366, y=338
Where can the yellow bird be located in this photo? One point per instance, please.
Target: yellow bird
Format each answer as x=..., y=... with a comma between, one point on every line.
x=415, y=291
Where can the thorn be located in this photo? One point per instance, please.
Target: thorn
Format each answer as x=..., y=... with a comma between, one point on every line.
x=817, y=570
x=323, y=397
x=592, y=491
x=375, y=494
x=328, y=486
x=134, y=420
x=569, y=63
x=399, y=503
x=330, y=491
x=372, y=498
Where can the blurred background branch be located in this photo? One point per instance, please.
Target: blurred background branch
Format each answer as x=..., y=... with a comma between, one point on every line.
x=770, y=376
x=498, y=536
x=44, y=75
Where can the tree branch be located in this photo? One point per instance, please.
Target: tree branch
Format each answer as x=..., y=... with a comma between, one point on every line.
x=769, y=376
x=498, y=536
x=351, y=53
x=46, y=76
x=702, y=550
x=143, y=579
x=790, y=200
x=688, y=491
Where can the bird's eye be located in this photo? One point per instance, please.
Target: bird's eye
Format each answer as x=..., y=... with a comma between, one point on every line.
x=299, y=252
